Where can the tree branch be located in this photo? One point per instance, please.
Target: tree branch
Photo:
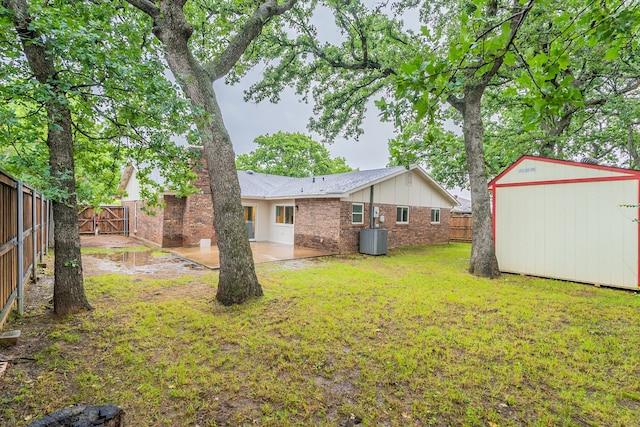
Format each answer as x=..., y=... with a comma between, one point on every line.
x=220, y=66
x=516, y=22
x=147, y=7
x=456, y=102
x=631, y=147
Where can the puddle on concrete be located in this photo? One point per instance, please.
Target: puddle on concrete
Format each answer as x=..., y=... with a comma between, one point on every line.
x=138, y=262
x=262, y=252
x=128, y=258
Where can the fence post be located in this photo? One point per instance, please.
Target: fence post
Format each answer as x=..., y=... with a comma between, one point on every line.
x=126, y=221
x=42, y=228
x=49, y=222
x=34, y=235
x=20, y=249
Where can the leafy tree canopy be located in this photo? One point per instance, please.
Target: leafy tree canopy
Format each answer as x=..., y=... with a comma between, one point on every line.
x=567, y=89
x=569, y=62
x=291, y=154
x=119, y=113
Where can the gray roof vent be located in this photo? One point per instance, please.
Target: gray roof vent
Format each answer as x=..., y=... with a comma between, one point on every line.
x=589, y=161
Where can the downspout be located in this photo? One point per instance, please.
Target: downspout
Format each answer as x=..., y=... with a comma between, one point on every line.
x=371, y=219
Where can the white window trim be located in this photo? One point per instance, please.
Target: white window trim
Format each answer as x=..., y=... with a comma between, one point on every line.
x=402, y=207
x=284, y=224
x=439, y=215
x=362, y=213
x=255, y=219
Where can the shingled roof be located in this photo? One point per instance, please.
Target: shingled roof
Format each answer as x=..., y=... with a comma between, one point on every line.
x=259, y=185
x=256, y=185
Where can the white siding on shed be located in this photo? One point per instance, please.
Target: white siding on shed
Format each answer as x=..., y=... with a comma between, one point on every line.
x=571, y=230
x=529, y=170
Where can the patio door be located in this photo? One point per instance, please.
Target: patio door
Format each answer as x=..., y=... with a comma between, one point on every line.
x=250, y=221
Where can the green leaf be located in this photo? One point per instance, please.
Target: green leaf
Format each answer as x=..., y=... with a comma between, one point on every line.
x=509, y=59
x=612, y=53
x=563, y=62
x=539, y=59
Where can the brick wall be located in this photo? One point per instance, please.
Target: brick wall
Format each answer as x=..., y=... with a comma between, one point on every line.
x=349, y=232
x=419, y=230
x=172, y=223
x=197, y=220
x=147, y=227
x=318, y=224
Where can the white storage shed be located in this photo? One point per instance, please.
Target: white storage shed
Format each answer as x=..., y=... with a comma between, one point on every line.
x=568, y=220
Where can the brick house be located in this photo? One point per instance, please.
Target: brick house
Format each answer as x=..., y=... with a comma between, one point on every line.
x=322, y=212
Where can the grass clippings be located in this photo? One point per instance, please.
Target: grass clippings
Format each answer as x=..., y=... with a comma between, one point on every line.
x=405, y=339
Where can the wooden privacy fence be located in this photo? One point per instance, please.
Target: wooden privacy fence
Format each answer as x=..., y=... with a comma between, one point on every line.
x=25, y=217
x=110, y=220
x=460, y=228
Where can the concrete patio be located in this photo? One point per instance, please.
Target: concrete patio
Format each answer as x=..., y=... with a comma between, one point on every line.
x=209, y=255
x=262, y=252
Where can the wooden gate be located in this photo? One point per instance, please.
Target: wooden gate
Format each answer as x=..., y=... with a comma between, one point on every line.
x=460, y=229
x=110, y=220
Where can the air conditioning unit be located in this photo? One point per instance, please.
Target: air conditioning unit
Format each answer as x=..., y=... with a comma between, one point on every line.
x=373, y=241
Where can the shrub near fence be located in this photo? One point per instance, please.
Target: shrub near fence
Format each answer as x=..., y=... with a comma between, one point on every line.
x=24, y=240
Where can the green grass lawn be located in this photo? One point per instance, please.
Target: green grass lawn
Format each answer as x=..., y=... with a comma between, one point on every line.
x=405, y=339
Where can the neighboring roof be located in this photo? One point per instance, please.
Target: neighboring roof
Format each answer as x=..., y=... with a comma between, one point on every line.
x=265, y=186
x=587, y=164
x=154, y=176
x=464, y=205
x=126, y=176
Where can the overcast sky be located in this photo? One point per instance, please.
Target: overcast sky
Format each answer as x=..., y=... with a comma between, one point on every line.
x=246, y=121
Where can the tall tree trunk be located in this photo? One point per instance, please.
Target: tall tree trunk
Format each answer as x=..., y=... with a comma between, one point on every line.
x=483, y=258
x=68, y=290
x=238, y=280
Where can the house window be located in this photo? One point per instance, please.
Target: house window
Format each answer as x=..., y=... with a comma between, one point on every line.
x=357, y=213
x=435, y=215
x=284, y=214
x=402, y=215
